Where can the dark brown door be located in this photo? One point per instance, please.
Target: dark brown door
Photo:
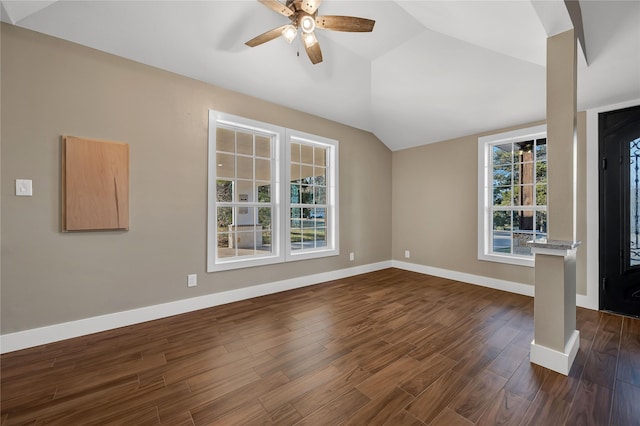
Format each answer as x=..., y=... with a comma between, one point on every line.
x=620, y=211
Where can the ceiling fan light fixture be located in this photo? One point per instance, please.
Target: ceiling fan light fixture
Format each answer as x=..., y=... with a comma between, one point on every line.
x=309, y=39
x=308, y=24
x=289, y=33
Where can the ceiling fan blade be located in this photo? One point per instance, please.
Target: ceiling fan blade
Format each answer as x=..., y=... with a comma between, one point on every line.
x=278, y=7
x=345, y=23
x=265, y=37
x=310, y=6
x=314, y=53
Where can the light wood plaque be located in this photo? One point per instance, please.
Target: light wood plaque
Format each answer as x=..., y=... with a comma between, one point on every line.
x=95, y=184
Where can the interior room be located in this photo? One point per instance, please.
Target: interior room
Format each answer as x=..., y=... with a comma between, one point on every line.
x=320, y=212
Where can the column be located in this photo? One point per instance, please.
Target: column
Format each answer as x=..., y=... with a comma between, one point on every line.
x=556, y=340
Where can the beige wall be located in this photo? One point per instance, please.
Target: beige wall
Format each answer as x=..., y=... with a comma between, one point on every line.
x=51, y=88
x=561, y=128
x=422, y=199
x=435, y=208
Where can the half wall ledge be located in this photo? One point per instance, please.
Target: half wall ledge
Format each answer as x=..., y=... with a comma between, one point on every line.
x=556, y=340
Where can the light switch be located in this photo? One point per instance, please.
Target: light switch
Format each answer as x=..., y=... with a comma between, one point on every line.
x=24, y=188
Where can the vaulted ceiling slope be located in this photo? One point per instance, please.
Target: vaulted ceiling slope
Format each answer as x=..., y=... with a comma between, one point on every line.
x=430, y=71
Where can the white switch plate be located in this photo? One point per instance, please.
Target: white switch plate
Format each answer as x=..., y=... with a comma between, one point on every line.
x=192, y=280
x=407, y=254
x=352, y=256
x=24, y=188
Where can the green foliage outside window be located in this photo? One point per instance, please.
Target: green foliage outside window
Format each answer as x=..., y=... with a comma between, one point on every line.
x=510, y=162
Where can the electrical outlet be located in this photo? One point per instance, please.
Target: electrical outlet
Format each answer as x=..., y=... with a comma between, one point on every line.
x=192, y=280
x=352, y=256
x=24, y=188
x=407, y=254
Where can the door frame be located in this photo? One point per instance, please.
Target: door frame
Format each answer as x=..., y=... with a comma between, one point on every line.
x=592, y=299
x=615, y=205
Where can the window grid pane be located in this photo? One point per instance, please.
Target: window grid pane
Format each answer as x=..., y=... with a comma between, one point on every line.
x=308, y=197
x=257, y=216
x=243, y=184
x=519, y=195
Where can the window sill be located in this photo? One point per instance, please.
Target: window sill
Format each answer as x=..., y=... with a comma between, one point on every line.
x=241, y=263
x=511, y=260
x=312, y=254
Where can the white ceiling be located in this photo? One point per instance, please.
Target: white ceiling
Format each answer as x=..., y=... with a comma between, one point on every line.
x=430, y=71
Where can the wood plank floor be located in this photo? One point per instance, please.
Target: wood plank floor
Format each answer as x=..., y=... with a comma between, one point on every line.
x=390, y=347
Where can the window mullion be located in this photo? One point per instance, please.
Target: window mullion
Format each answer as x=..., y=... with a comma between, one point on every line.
x=240, y=150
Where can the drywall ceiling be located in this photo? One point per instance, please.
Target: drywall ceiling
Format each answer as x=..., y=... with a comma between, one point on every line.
x=430, y=71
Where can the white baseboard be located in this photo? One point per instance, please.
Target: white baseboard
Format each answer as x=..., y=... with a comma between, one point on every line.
x=559, y=362
x=494, y=283
x=53, y=333
x=510, y=286
x=587, y=302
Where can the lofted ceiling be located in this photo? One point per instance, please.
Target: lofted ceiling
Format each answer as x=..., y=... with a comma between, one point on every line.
x=430, y=70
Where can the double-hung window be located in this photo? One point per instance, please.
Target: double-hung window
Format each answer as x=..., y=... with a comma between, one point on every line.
x=272, y=194
x=512, y=194
x=312, y=201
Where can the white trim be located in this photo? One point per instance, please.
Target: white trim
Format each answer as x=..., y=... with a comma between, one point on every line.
x=592, y=299
x=586, y=301
x=280, y=201
x=517, y=135
x=574, y=181
x=553, y=360
x=505, y=258
x=553, y=251
x=510, y=286
x=53, y=333
x=277, y=133
x=485, y=191
x=332, y=203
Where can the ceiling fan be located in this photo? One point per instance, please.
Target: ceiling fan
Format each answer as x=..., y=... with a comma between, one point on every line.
x=304, y=16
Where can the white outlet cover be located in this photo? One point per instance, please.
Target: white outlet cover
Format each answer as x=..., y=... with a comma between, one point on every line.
x=407, y=254
x=192, y=280
x=352, y=256
x=24, y=187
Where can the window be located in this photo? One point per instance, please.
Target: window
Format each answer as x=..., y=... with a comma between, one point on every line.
x=512, y=194
x=261, y=212
x=313, y=193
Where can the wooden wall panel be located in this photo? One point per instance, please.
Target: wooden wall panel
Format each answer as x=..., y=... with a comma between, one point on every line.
x=95, y=184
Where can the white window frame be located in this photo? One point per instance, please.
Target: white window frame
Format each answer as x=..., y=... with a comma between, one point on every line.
x=485, y=192
x=280, y=194
x=332, y=225
x=275, y=132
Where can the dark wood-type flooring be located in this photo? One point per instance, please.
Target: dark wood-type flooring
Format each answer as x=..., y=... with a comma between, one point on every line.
x=389, y=347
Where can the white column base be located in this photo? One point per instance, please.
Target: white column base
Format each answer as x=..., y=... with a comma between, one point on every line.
x=553, y=360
